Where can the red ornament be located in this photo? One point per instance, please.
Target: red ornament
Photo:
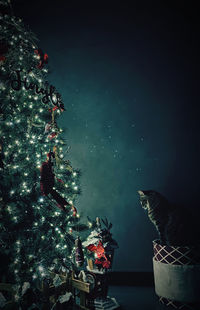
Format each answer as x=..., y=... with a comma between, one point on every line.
x=52, y=135
x=43, y=58
x=59, y=180
x=3, y=51
x=74, y=211
x=2, y=59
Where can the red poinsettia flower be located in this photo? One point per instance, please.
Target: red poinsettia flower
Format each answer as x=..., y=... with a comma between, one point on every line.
x=100, y=252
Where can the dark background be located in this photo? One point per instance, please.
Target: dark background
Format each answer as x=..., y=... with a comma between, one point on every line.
x=129, y=78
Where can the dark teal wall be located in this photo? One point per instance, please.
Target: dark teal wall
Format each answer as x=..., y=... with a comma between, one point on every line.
x=129, y=82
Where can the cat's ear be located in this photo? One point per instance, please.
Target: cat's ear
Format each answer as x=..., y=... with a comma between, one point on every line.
x=141, y=193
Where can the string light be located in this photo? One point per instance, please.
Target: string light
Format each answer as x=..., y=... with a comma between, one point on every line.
x=41, y=268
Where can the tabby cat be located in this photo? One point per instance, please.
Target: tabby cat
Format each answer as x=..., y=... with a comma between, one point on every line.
x=175, y=225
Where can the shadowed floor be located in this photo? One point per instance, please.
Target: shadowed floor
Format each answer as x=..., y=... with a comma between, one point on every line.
x=133, y=297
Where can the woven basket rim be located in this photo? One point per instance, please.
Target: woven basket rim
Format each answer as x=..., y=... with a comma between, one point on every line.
x=157, y=242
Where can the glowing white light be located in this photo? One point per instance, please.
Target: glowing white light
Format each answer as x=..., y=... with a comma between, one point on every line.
x=41, y=199
x=41, y=268
x=9, y=123
x=74, y=174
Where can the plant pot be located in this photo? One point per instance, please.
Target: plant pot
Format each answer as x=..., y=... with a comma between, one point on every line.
x=177, y=275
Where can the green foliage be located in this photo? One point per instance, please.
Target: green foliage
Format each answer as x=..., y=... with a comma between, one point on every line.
x=34, y=232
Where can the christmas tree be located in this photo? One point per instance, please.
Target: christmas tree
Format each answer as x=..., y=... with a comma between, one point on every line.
x=41, y=232
x=39, y=221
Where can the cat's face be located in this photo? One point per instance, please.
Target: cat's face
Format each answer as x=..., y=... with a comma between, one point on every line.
x=144, y=200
